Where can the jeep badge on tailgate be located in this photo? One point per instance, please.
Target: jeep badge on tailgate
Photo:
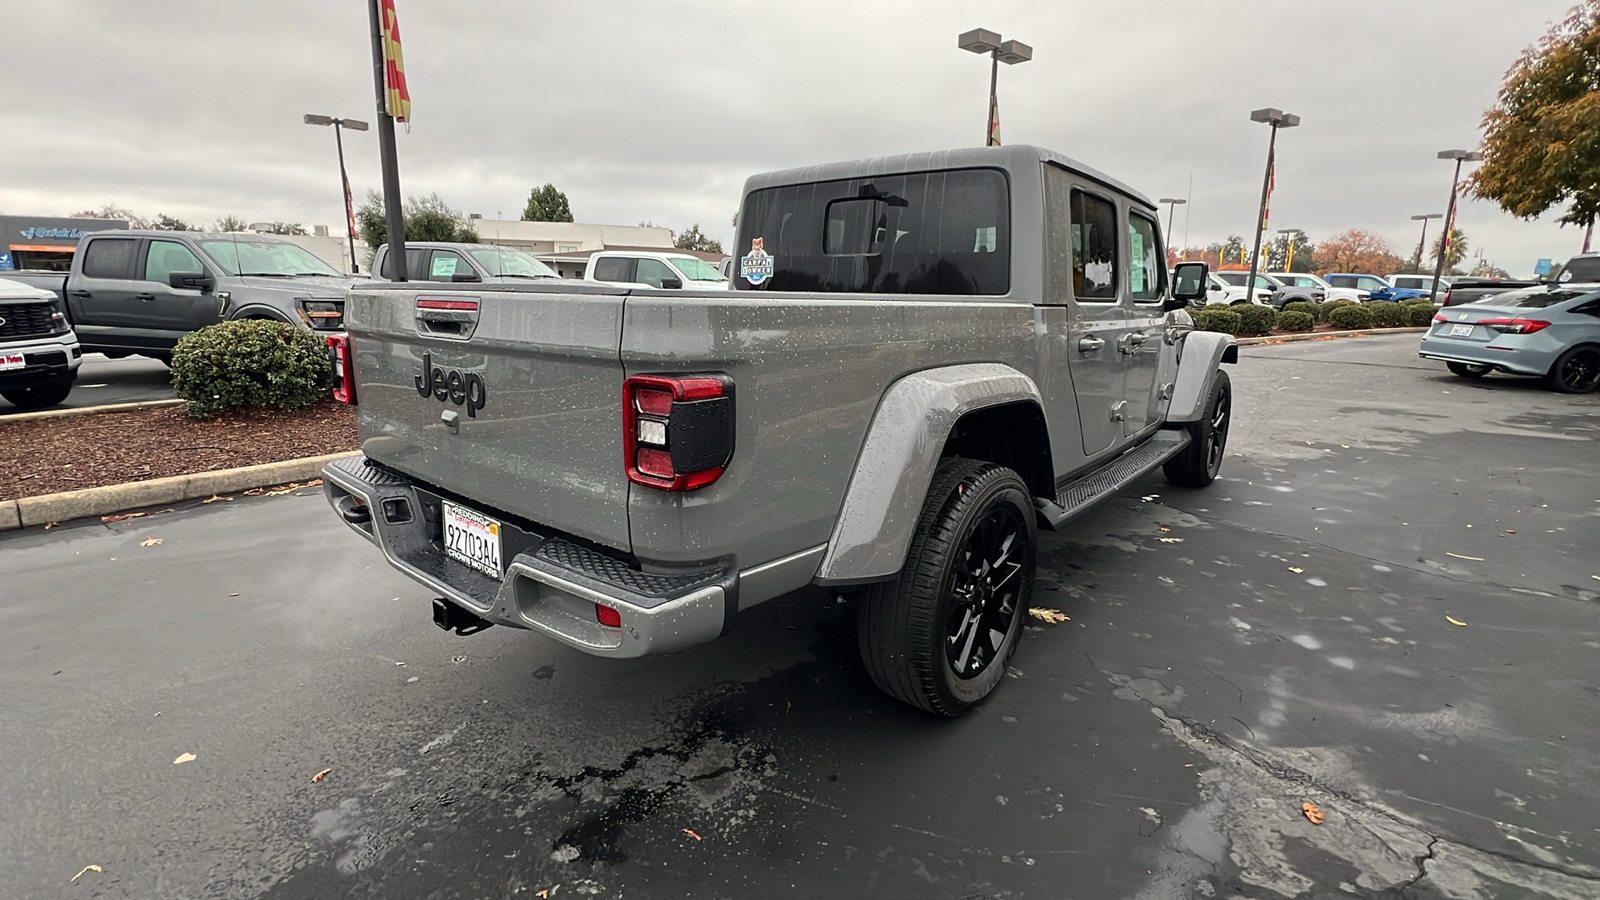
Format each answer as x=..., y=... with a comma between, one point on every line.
x=452, y=386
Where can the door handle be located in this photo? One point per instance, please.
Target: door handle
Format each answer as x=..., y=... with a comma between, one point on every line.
x=1090, y=344
x=145, y=297
x=1137, y=338
x=81, y=295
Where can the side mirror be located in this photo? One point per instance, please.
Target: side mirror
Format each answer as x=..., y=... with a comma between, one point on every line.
x=190, y=281
x=461, y=277
x=672, y=284
x=1189, y=283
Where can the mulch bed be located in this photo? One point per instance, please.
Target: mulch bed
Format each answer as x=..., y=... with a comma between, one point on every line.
x=67, y=453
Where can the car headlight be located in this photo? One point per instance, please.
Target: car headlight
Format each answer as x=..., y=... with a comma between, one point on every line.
x=324, y=315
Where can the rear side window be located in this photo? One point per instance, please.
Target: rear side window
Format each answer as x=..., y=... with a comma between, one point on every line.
x=1094, y=248
x=925, y=233
x=110, y=258
x=414, y=271
x=1342, y=281
x=614, y=268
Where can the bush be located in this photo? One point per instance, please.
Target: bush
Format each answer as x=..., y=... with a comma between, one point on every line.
x=1351, y=316
x=1300, y=306
x=1296, y=319
x=1420, y=315
x=249, y=362
x=1218, y=318
x=1256, y=320
x=1389, y=315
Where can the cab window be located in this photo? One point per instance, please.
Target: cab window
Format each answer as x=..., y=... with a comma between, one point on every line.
x=1368, y=283
x=613, y=268
x=109, y=258
x=446, y=264
x=1145, y=263
x=167, y=257
x=1094, y=248
x=652, y=271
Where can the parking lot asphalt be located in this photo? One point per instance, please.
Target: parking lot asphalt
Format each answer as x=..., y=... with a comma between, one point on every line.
x=103, y=381
x=1388, y=607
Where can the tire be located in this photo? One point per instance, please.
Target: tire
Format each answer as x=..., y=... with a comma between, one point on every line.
x=1576, y=371
x=1468, y=370
x=1198, y=464
x=920, y=640
x=39, y=396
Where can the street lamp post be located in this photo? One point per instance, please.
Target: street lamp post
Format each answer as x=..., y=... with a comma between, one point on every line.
x=1172, y=206
x=1277, y=118
x=981, y=40
x=1423, y=241
x=1294, y=238
x=1460, y=156
x=344, y=179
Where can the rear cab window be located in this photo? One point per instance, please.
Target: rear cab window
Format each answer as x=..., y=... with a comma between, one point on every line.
x=1094, y=248
x=110, y=258
x=941, y=232
x=614, y=268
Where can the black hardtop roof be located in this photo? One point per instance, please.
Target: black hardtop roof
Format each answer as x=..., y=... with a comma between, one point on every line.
x=1014, y=157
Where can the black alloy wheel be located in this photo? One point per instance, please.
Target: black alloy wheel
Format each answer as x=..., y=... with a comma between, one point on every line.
x=984, y=586
x=1576, y=372
x=1198, y=464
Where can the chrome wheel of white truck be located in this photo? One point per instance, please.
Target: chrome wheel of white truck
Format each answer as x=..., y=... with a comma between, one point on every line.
x=940, y=636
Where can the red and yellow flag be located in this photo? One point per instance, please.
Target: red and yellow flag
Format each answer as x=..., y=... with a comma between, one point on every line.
x=396, y=99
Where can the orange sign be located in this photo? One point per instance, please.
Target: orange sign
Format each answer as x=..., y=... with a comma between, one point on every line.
x=396, y=98
x=44, y=248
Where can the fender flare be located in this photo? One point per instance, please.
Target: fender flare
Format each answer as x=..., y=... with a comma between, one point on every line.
x=1198, y=357
x=259, y=311
x=897, y=460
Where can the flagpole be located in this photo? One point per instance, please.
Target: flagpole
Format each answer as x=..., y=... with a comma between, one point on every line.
x=394, y=216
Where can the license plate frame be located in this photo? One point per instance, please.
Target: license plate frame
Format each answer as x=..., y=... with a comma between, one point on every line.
x=1462, y=329
x=473, y=539
x=10, y=362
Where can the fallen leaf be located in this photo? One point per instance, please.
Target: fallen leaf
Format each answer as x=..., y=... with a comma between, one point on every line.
x=120, y=517
x=215, y=497
x=1053, y=616
x=255, y=492
x=692, y=834
x=50, y=525
x=1163, y=528
x=1312, y=813
x=183, y=758
x=1297, y=570
x=158, y=713
x=320, y=775
x=1511, y=531
x=234, y=594
x=1459, y=556
x=544, y=893
x=151, y=542
x=1170, y=540
x=85, y=869
x=1455, y=622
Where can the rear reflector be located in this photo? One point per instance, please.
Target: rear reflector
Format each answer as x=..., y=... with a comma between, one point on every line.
x=607, y=616
x=342, y=354
x=677, y=430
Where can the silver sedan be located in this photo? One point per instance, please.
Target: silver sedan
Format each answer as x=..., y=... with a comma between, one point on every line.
x=1552, y=333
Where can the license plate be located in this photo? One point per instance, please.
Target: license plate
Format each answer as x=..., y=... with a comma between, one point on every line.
x=1460, y=330
x=10, y=361
x=472, y=538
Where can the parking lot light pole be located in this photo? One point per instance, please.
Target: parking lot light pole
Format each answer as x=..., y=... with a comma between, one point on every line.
x=1172, y=206
x=982, y=40
x=1460, y=156
x=344, y=179
x=1423, y=241
x=1294, y=236
x=1277, y=118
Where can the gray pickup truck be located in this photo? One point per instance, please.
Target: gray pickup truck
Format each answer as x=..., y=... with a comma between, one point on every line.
x=925, y=359
x=142, y=291
x=452, y=263
x=39, y=354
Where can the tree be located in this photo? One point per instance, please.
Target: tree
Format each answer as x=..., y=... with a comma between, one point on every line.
x=1278, y=253
x=547, y=204
x=282, y=228
x=164, y=222
x=230, y=223
x=112, y=211
x=1458, y=251
x=1541, y=145
x=1356, y=251
x=427, y=219
x=694, y=239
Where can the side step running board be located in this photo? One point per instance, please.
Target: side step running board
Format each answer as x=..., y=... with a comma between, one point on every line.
x=1079, y=495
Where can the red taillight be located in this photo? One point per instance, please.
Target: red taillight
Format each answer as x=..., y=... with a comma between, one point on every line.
x=607, y=616
x=1515, y=326
x=1440, y=317
x=677, y=430
x=342, y=354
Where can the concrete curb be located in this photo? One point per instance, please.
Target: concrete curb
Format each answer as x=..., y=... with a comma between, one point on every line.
x=87, y=410
x=1323, y=335
x=112, y=498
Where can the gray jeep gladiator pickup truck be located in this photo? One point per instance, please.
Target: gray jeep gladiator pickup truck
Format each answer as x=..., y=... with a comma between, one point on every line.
x=925, y=359
x=142, y=291
x=39, y=354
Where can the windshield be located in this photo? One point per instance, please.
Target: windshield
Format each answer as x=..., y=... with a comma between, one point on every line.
x=696, y=269
x=1585, y=270
x=510, y=262
x=279, y=258
x=1528, y=298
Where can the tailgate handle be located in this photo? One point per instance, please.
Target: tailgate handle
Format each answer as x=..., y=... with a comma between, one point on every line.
x=454, y=318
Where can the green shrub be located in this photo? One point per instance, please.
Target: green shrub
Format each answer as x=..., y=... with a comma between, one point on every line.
x=1389, y=315
x=1296, y=319
x=1256, y=320
x=1420, y=315
x=249, y=362
x=1309, y=309
x=1218, y=318
x=1351, y=317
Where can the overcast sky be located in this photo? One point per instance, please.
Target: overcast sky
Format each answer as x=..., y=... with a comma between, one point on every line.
x=659, y=111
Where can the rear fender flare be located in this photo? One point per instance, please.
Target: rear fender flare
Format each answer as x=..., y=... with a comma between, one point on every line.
x=897, y=461
x=1198, y=357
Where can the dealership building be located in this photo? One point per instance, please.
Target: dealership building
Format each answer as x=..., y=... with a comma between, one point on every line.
x=45, y=243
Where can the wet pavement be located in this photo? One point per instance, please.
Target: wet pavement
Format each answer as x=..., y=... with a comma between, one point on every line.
x=1287, y=636
x=103, y=381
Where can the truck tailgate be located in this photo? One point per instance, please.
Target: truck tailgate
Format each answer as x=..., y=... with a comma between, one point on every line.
x=545, y=444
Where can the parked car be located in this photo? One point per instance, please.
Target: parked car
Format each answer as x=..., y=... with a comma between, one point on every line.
x=1289, y=290
x=455, y=263
x=1471, y=290
x=889, y=407
x=1376, y=287
x=647, y=269
x=1549, y=332
x=1314, y=283
x=1581, y=269
x=142, y=291
x=1423, y=283
x=1221, y=293
x=39, y=354
x=1271, y=292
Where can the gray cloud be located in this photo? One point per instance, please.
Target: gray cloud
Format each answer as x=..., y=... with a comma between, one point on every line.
x=659, y=111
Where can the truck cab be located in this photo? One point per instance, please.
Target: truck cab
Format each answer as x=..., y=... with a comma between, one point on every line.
x=1376, y=288
x=447, y=262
